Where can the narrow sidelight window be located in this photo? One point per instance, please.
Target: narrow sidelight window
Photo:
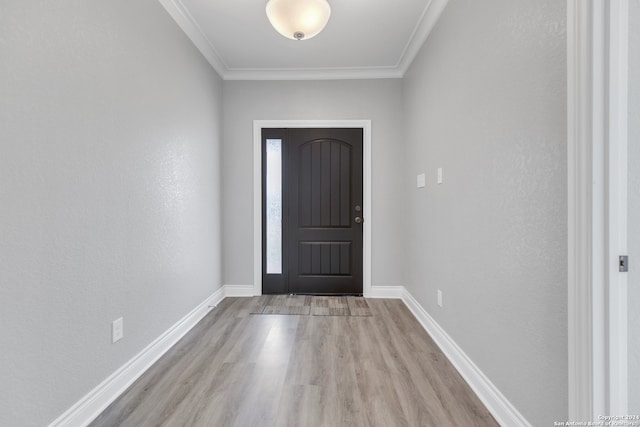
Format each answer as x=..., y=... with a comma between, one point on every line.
x=274, y=206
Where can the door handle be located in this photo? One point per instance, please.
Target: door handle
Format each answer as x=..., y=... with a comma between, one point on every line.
x=358, y=220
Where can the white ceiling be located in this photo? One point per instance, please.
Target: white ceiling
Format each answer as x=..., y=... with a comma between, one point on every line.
x=363, y=39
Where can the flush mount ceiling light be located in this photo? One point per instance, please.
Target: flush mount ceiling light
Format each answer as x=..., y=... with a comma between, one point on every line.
x=298, y=19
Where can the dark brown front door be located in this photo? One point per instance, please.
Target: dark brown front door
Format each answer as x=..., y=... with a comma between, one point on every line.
x=321, y=212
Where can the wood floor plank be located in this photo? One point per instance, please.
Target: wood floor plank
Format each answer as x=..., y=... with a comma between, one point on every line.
x=239, y=369
x=299, y=406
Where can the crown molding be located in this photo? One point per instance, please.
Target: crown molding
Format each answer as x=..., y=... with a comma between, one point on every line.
x=428, y=20
x=421, y=32
x=185, y=21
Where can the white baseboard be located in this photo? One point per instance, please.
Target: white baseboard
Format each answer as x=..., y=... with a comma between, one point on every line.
x=97, y=400
x=385, y=292
x=501, y=409
x=239, y=291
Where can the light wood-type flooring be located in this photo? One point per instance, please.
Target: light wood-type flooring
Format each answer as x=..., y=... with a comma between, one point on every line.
x=240, y=369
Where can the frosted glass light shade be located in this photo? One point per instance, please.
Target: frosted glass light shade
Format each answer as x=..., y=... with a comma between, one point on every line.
x=298, y=19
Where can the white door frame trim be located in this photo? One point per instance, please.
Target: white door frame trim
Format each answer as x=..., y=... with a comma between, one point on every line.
x=596, y=106
x=584, y=276
x=617, y=204
x=258, y=125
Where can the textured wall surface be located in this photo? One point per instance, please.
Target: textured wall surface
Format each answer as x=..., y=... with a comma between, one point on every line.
x=634, y=207
x=110, y=127
x=486, y=100
x=376, y=100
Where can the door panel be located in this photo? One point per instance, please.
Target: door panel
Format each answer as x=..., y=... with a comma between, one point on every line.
x=320, y=258
x=325, y=186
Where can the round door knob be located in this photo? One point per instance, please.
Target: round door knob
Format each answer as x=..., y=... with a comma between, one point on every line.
x=358, y=220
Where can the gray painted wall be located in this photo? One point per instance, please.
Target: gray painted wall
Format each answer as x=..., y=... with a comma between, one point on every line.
x=377, y=100
x=109, y=193
x=486, y=100
x=634, y=207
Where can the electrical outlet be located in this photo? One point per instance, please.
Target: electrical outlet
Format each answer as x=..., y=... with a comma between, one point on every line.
x=420, y=180
x=439, y=177
x=439, y=298
x=117, y=330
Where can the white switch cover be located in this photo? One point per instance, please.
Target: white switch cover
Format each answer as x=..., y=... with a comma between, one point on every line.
x=439, y=298
x=421, y=180
x=117, y=330
x=439, y=175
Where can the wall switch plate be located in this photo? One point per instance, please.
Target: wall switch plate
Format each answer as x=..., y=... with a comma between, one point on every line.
x=421, y=180
x=117, y=330
x=439, y=298
x=439, y=177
